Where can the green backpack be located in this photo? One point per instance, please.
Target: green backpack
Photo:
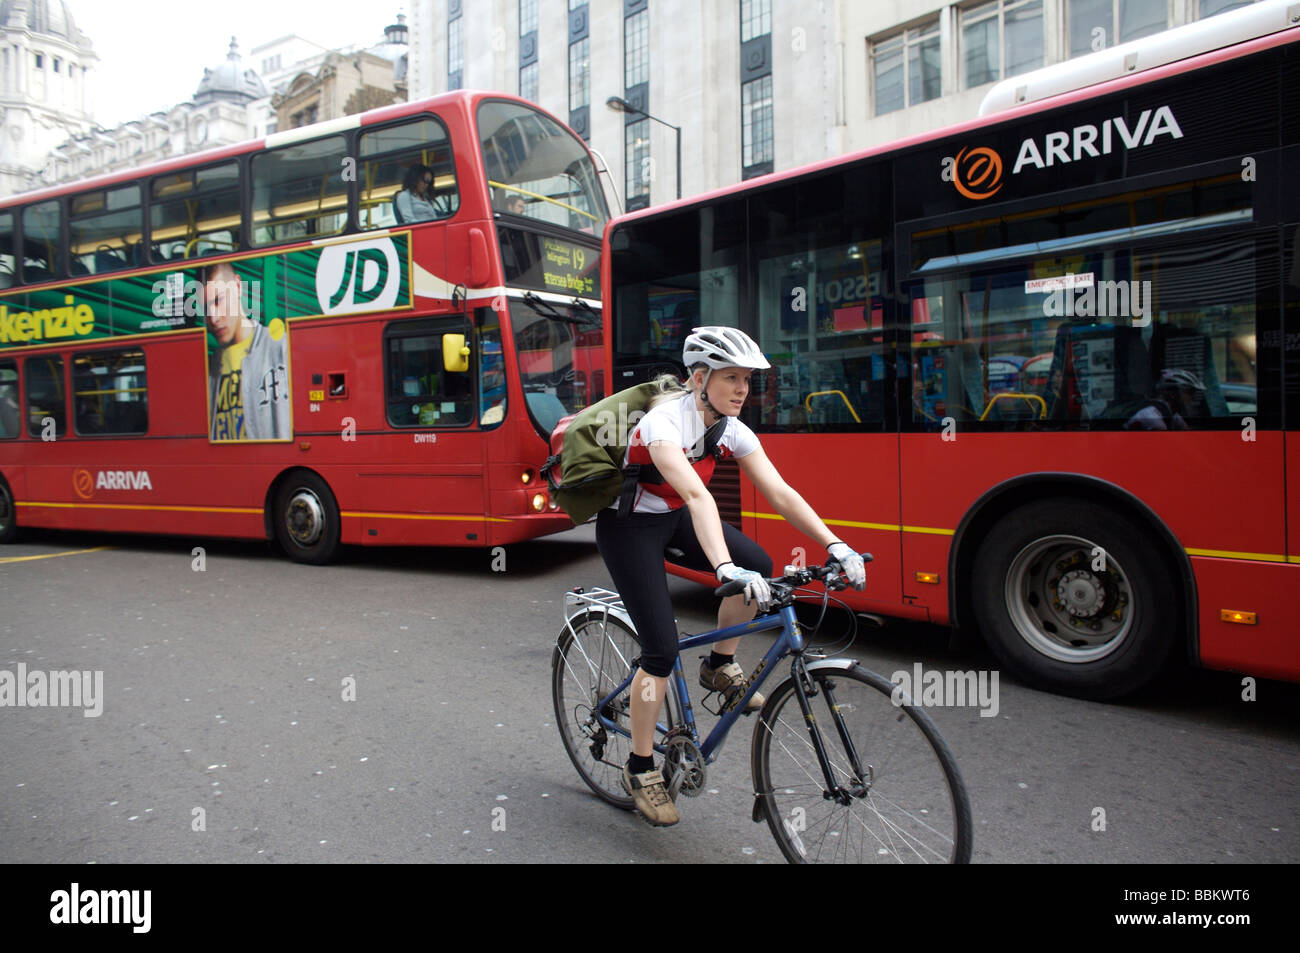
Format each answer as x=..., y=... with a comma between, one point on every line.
x=585, y=470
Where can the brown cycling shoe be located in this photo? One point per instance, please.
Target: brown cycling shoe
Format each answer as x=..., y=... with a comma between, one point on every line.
x=728, y=681
x=650, y=797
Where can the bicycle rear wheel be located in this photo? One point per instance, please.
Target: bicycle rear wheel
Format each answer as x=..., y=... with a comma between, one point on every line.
x=592, y=657
x=908, y=804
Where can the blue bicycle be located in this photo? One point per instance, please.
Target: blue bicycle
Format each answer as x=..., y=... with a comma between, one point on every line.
x=846, y=769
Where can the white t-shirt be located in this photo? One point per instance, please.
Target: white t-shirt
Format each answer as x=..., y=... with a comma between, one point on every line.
x=678, y=421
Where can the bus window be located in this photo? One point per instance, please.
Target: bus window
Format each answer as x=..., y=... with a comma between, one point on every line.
x=299, y=193
x=491, y=369
x=41, y=227
x=45, y=396
x=9, y=415
x=407, y=175
x=420, y=393
x=7, y=264
x=110, y=393
x=195, y=212
x=104, y=229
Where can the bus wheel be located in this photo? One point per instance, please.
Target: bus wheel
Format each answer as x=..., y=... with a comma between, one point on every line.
x=1073, y=599
x=306, y=518
x=8, y=514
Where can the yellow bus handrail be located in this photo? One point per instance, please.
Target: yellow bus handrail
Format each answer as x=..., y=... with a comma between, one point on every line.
x=1017, y=395
x=807, y=402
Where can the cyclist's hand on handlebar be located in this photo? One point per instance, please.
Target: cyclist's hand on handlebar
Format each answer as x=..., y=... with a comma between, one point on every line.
x=756, y=587
x=855, y=570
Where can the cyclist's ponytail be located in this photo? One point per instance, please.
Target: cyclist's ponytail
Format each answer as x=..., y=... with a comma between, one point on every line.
x=669, y=387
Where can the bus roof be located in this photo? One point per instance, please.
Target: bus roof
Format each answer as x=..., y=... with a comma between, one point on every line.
x=1152, y=72
x=1136, y=56
x=466, y=97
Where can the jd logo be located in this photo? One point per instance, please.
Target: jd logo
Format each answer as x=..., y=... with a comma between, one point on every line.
x=358, y=276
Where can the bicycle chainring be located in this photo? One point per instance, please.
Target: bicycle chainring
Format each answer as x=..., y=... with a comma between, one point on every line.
x=685, y=770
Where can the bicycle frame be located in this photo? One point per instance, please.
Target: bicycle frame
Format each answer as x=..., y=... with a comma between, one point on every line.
x=791, y=642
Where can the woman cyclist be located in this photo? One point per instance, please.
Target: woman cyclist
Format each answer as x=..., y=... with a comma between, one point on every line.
x=673, y=508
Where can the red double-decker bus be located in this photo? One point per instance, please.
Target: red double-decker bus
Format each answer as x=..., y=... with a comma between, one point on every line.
x=317, y=337
x=1045, y=365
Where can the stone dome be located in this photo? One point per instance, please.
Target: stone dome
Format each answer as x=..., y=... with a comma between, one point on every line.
x=46, y=17
x=230, y=81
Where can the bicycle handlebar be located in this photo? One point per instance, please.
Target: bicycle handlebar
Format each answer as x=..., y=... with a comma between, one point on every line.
x=831, y=574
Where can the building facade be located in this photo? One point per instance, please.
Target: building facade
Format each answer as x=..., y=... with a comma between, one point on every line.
x=44, y=61
x=757, y=85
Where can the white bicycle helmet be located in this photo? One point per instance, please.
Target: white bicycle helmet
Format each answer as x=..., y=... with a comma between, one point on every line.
x=718, y=347
x=1177, y=377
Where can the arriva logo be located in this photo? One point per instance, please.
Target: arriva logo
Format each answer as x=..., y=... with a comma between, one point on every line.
x=83, y=486
x=358, y=276
x=977, y=173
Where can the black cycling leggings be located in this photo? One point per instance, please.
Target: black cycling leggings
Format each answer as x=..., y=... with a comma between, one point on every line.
x=633, y=549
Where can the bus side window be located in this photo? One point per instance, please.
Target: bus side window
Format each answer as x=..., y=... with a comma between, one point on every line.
x=195, y=212
x=392, y=159
x=46, y=400
x=298, y=192
x=103, y=226
x=41, y=237
x=8, y=264
x=9, y=413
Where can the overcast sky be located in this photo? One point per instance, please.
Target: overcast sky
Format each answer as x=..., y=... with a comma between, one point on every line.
x=152, y=53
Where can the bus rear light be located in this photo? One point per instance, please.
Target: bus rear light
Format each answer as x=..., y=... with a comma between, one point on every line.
x=1235, y=615
x=539, y=502
x=932, y=578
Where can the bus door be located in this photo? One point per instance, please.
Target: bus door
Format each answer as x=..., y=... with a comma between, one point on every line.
x=427, y=486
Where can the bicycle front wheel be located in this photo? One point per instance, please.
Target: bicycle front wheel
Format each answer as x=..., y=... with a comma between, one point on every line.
x=898, y=796
x=593, y=656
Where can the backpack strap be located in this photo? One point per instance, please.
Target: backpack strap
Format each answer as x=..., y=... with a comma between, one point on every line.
x=637, y=473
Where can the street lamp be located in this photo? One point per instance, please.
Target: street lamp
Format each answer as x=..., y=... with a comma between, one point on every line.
x=622, y=105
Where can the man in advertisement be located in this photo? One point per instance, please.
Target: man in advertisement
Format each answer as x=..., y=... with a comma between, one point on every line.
x=248, y=376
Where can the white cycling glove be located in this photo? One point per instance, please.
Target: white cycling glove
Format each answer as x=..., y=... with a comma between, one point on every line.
x=854, y=568
x=756, y=587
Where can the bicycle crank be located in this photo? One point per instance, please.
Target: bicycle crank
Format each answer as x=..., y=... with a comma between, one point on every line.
x=685, y=770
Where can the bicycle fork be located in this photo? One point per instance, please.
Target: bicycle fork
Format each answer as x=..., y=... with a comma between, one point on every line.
x=860, y=781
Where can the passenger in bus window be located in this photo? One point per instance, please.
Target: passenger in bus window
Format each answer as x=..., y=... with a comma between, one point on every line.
x=9, y=412
x=415, y=202
x=1179, y=394
x=248, y=377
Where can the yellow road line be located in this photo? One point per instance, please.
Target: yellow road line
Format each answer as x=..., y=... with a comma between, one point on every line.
x=71, y=552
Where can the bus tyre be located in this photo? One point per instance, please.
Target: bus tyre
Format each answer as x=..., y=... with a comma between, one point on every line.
x=8, y=514
x=306, y=518
x=1073, y=599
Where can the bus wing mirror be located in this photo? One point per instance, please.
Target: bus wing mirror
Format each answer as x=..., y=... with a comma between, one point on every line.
x=455, y=354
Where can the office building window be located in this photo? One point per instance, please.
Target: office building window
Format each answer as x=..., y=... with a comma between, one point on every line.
x=1098, y=24
x=455, y=61
x=636, y=49
x=1209, y=8
x=906, y=68
x=1000, y=39
x=638, y=170
x=527, y=17
x=755, y=19
x=579, y=74
x=756, y=127
x=528, y=82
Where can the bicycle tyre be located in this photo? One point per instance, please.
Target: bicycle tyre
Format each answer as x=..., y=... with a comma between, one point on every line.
x=603, y=647
x=915, y=808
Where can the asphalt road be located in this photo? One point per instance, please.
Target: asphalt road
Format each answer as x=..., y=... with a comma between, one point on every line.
x=396, y=708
